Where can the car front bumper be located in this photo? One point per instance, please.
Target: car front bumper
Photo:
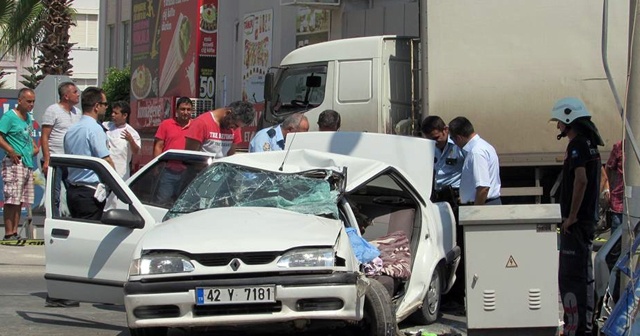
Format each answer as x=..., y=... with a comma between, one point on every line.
x=173, y=303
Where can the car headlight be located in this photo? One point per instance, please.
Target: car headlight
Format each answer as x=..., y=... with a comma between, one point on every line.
x=160, y=264
x=312, y=257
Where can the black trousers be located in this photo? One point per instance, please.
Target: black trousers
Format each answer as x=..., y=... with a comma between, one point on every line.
x=82, y=204
x=575, y=277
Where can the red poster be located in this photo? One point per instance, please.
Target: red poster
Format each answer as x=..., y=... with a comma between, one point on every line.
x=178, y=48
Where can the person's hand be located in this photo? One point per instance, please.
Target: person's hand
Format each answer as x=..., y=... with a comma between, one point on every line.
x=127, y=136
x=45, y=167
x=567, y=222
x=606, y=196
x=15, y=158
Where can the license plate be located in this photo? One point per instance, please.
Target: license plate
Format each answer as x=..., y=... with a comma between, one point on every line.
x=230, y=295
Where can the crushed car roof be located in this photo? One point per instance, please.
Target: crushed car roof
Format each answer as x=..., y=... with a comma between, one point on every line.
x=359, y=170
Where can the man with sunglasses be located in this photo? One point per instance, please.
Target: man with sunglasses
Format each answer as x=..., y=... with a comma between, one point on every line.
x=218, y=131
x=87, y=137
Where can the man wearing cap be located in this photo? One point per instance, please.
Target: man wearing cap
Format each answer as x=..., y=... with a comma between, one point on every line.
x=579, y=194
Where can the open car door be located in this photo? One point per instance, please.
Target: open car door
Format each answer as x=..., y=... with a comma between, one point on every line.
x=89, y=260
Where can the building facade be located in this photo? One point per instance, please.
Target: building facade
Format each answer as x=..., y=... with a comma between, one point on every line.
x=84, y=53
x=290, y=26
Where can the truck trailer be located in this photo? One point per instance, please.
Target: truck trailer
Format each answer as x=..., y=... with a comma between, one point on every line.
x=500, y=63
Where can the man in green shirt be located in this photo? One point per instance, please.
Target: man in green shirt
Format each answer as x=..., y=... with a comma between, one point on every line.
x=16, y=139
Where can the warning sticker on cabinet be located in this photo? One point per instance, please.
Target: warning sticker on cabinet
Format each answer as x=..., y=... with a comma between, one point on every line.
x=511, y=263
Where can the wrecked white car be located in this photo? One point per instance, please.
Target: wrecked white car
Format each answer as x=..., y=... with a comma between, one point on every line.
x=268, y=238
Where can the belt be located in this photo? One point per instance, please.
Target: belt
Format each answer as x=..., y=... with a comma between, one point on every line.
x=487, y=201
x=88, y=185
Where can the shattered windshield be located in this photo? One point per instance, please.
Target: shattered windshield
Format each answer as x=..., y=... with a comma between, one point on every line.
x=226, y=185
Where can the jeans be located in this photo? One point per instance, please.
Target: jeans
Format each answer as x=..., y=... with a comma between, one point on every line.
x=616, y=220
x=168, y=187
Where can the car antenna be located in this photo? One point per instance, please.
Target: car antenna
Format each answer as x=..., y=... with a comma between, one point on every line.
x=287, y=153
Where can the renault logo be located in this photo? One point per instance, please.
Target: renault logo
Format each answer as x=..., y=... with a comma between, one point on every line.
x=235, y=264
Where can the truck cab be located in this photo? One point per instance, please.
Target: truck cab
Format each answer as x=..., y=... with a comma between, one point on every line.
x=367, y=80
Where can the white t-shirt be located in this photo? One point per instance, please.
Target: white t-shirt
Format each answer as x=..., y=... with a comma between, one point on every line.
x=60, y=120
x=119, y=148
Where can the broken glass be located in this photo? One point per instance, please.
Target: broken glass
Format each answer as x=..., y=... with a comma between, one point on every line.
x=226, y=185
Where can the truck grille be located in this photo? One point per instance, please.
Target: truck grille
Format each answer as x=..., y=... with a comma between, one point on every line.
x=222, y=259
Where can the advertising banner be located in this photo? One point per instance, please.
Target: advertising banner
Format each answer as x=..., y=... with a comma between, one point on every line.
x=208, y=49
x=257, y=39
x=173, y=54
x=312, y=26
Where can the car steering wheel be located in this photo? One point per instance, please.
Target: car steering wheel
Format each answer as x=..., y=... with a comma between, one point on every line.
x=298, y=103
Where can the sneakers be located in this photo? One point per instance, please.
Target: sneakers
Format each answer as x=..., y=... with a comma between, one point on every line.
x=14, y=236
x=60, y=303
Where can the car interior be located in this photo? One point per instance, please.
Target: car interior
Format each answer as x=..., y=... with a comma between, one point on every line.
x=384, y=207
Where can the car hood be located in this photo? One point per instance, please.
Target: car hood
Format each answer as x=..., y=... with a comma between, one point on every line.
x=237, y=229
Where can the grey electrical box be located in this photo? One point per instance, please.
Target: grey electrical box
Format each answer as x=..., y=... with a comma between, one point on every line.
x=511, y=269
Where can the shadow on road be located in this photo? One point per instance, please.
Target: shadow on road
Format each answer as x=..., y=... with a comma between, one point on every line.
x=67, y=321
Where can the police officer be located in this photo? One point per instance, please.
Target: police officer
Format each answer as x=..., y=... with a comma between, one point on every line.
x=579, y=207
x=272, y=138
x=448, y=160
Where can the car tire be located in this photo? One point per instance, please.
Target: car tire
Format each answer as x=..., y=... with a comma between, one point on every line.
x=430, y=310
x=379, y=313
x=157, y=331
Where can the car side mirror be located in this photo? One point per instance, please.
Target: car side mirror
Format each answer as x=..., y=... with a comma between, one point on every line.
x=268, y=84
x=122, y=217
x=314, y=81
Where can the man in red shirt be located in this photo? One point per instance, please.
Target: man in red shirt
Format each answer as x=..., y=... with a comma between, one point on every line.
x=171, y=135
x=218, y=131
x=171, y=132
x=614, y=169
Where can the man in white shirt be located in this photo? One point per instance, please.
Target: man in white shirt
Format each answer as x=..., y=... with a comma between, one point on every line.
x=480, y=178
x=124, y=140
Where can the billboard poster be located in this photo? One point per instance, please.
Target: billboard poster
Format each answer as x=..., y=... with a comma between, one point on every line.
x=145, y=38
x=257, y=39
x=208, y=49
x=178, y=48
x=170, y=40
x=312, y=26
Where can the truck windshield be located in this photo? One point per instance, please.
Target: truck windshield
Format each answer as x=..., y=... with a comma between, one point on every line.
x=225, y=185
x=299, y=88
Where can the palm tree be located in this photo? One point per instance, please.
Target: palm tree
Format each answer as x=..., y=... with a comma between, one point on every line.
x=20, y=28
x=54, y=46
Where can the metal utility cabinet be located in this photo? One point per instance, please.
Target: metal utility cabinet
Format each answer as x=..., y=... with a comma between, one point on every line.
x=511, y=269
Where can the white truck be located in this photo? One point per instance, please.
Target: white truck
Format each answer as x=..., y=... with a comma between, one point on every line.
x=500, y=63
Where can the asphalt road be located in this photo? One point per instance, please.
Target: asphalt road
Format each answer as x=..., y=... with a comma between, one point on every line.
x=22, y=310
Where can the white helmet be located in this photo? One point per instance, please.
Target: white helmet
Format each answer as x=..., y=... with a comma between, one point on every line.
x=568, y=109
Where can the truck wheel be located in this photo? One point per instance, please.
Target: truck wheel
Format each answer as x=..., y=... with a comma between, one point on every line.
x=430, y=310
x=379, y=313
x=157, y=331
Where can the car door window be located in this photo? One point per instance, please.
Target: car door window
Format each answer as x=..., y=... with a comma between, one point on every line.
x=161, y=184
x=85, y=187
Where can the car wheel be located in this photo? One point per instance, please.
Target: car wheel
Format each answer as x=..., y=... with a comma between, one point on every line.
x=157, y=331
x=379, y=313
x=430, y=310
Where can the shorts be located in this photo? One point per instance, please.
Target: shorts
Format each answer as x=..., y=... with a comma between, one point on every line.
x=18, y=183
